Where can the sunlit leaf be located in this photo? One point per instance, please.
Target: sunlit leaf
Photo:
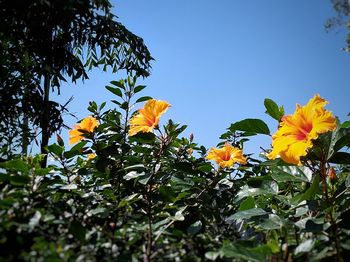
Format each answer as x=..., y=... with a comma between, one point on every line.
x=251, y=125
x=272, y=109
x=248, y=214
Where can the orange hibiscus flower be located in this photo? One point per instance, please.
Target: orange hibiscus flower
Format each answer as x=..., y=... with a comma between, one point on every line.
x=296, y=132
x=148, y=117
x=226, y=156
x=88, y=125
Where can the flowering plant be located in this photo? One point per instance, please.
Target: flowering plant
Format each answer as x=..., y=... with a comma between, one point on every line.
x=155, y=196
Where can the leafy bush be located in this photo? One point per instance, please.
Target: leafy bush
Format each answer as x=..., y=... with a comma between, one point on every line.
x=153, y=196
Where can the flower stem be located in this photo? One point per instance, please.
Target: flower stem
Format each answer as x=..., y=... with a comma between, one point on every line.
x=323, y=174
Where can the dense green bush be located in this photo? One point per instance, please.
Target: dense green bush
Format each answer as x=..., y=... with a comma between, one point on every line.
x=154, y=196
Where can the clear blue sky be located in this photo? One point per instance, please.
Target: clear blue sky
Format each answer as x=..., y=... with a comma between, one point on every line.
x=216, y=61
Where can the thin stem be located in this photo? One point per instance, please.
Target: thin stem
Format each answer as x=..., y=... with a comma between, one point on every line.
x=323, y=174
x=211, y=185
x=149, y=243
x=127, y=111
x=150, y=231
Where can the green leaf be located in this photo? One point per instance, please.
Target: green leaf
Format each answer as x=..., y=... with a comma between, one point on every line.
x=240, y=252
x=124, y=105
x=143, y=138
x=19, y=180
x=7, y=202
x=100, y=212
x=345, y=124
x=15, y=164
x=115, y=91
x=56, y=149
x=304, y=247
x=133, y=175
x=139, y=88
x=251, y=125
x=272, y=109
x=142, y=99
x=75, y=150
x=119, y=84
x=246, y=204
x=246, y=214
x=69, y=187
x=212, y=255
x=144, y=179
x=310, y=193
x=206, y=168
x=273, y=222
x=194, y=228
x=129, y=200
x=340, y=158
x=288, y=174
x=267, y=190
x=77, y=230
x=167, y=193
x=35, y=219
x=178, y=215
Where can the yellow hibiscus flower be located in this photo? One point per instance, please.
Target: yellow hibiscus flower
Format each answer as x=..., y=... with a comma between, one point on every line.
x=148, y=117
x=226, y=156
x=296, y=132
x=88, y=124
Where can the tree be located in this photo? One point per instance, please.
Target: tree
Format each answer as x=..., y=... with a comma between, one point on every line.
x=46, y=42
x=342, y=7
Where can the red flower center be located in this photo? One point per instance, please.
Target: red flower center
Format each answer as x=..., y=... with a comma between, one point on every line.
x=303, y=131
x=226, y=156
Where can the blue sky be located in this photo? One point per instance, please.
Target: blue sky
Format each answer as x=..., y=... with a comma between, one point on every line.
x=216, y=61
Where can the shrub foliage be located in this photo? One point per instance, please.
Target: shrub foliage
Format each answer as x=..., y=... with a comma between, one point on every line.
x=153, y=196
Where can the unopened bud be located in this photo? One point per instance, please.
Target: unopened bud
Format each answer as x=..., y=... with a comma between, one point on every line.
x=191, y=137
x=59, y=140
x=332, y=175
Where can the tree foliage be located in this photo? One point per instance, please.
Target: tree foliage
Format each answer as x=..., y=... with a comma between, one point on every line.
x=46, y=42
x=342, y=8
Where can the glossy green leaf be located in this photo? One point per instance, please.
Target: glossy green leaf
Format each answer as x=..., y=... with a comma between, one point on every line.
x=255, y=191
x=247, y=203
x=304, y=247
x=345, y=124
x=142, y=99
x=194, y=228
x=77, y=230
x=272, y=109
x=56, y=149
x=230, y=250
x=133, y=175
x=139, y=88
x=75, y=150
x=340, y=158
x=115, y=91
x=212, y=255
x=310, y=193
x=20, y=180
x=119, y=84
x=246, y=214
x=15, y=164
x=289, y=174
x=251, y=125
x=272, y=222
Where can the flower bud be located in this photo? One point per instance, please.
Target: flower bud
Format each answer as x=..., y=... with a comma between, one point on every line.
x=59, y=140
x=332, y=175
